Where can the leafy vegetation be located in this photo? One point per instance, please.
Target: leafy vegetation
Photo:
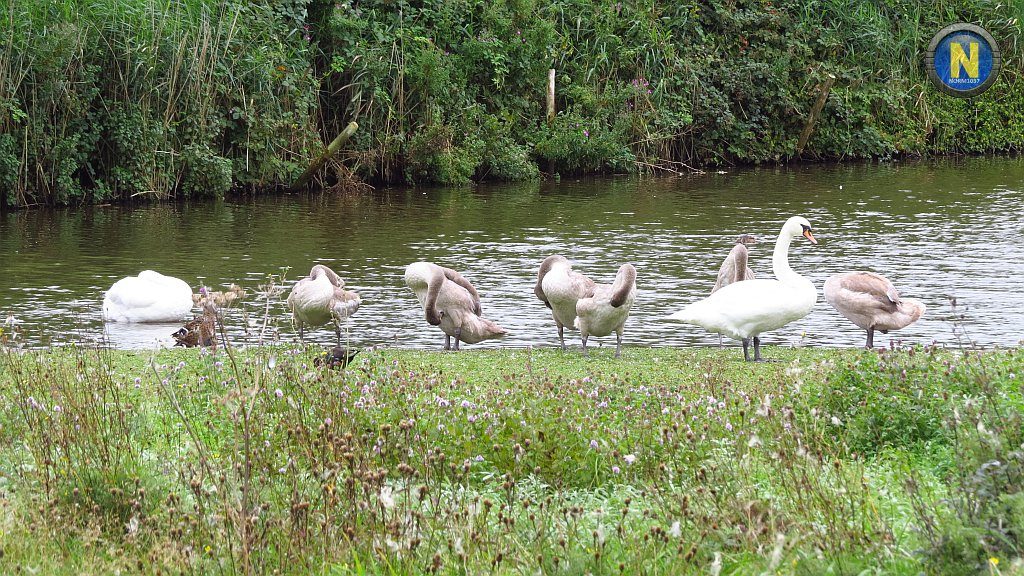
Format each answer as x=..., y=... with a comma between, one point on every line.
x=511, y=462
x=147, y=98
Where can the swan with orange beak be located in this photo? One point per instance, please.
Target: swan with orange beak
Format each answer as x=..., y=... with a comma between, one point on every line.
x=744, y=310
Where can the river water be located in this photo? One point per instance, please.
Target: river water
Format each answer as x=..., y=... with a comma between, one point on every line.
x=939, y=230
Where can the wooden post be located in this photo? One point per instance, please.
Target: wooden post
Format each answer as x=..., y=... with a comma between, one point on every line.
x=815, y=110
x=551, y=96
x=317, y=164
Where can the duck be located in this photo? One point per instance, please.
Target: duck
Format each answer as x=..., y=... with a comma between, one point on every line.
x=221, y=299
x=450, y=302
x=744, y=310
x=148, y=297
x=734, y=268
x=337, y=357
x=608, y=308
x=871, y=302
x=200, y=331
x=560, y=287
x=321, y=298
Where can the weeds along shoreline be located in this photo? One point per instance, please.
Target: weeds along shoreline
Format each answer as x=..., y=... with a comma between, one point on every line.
x=510, y=462
x=110, y=101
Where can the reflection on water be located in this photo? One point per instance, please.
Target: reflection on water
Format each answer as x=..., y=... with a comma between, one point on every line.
x=937, y=230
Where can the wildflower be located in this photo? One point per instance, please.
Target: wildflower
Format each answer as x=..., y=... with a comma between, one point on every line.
x=479, y=458
x=676, y=530
x=57, y=408
x=593, y=444
x=328, y=421
x=629, y=458
x=616, y=470
x=466, y=404
x=278, y=392
x=386, y=499
x=754, y=441
x=218, y=364
x=836, y=421
x=716, y=566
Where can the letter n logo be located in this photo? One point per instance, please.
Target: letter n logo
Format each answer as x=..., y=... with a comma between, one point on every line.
x=958, y=59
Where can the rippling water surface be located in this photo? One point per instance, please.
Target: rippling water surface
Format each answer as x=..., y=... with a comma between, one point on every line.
x=938, y=230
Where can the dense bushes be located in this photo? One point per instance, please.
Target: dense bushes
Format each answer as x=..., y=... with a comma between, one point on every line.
x=155, y=98
x=110, y=100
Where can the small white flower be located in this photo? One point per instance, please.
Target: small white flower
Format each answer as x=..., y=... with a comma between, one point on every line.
x=676, y=530
x=385, y=498
x=629, y=458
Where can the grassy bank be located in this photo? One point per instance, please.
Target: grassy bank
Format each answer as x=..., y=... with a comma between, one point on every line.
x=111, y=100
x=511, y=462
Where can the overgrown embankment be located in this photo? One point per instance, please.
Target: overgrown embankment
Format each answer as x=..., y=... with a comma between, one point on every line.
x=111, y=100
x=511, y=462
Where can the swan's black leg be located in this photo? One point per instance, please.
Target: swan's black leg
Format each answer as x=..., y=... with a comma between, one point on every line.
x=337, y=332
x=746, y=349
x=584, y=337
x=757, y=349
x=618, y=344
x=302, y=339
x=458, y=335
x=561, y=337
x=871, y=338
x=447, y=342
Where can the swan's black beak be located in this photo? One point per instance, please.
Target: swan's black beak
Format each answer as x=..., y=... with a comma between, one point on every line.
x=809, y=236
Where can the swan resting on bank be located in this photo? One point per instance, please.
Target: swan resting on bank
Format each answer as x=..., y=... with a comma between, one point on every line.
x=148, y=297
x=608, y=308
x=321, y=298
x=871, y=302
x=450, y=302
x=744, y=310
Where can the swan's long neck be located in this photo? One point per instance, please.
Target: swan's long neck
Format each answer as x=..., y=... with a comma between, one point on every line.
x=780, y=260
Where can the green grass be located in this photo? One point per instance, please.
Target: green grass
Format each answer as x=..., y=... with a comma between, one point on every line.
x=511, y=462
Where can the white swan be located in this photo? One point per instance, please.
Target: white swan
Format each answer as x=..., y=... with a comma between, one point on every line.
x=148, y=297
x=871, y=302
x=321, y=298
x=607, y=310
x=744, y=310
x=560, y=287
x=450, y=302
